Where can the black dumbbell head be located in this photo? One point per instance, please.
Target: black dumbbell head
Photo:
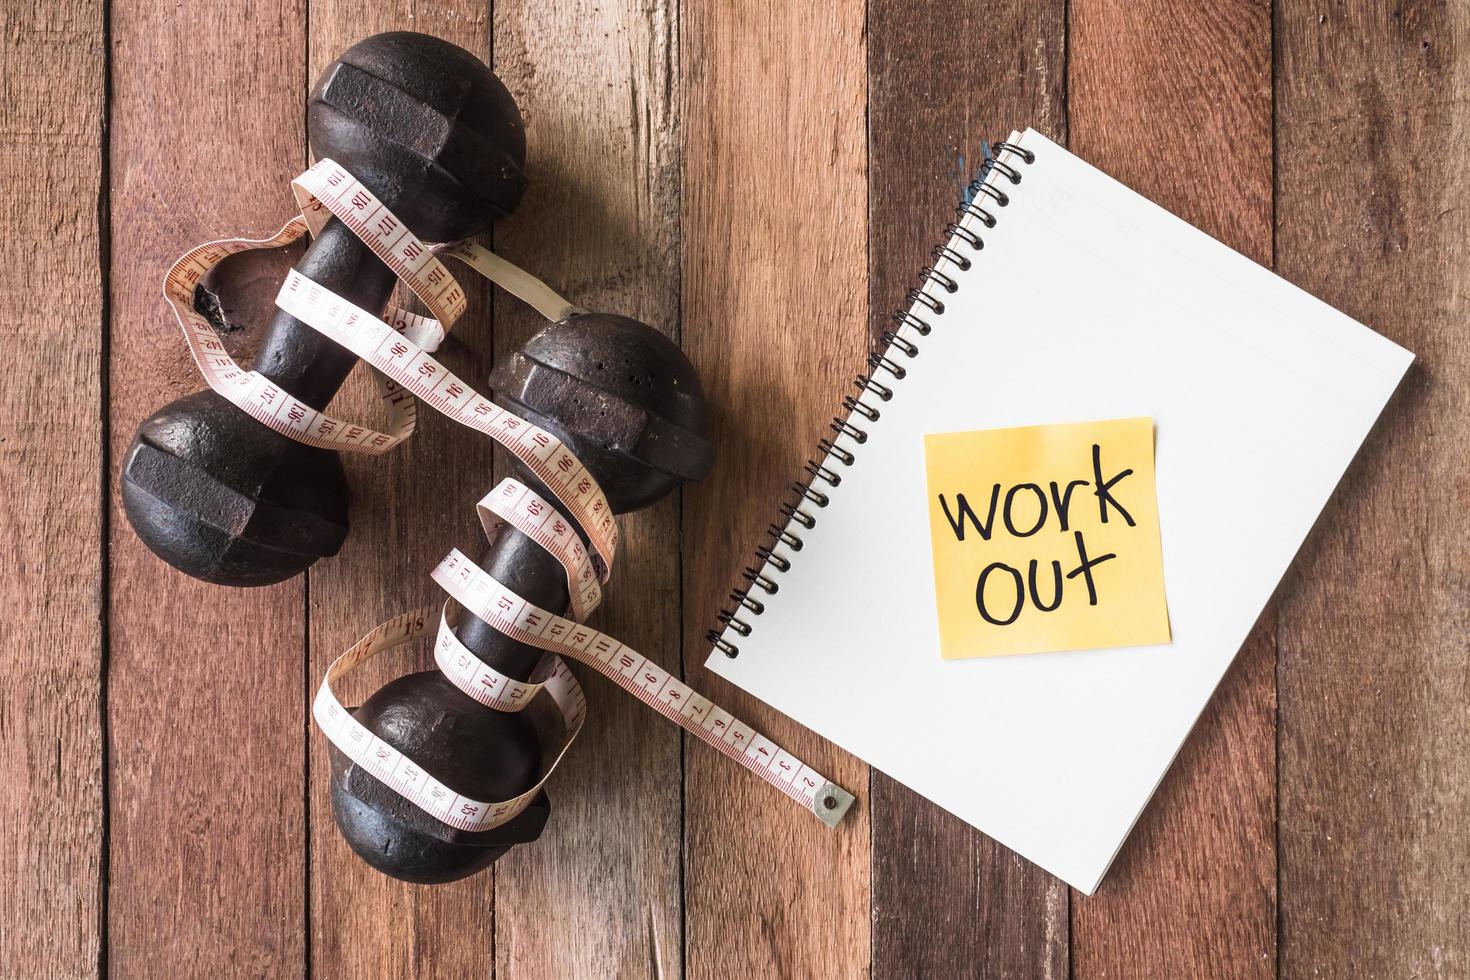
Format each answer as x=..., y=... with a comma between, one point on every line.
x=220, y=496
x=427, y=128
x=621, y=395
x=487, y=755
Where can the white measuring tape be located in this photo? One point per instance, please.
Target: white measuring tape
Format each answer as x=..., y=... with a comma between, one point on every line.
x=514, y=503
x=322, y=191
x=401, y=356
x=481, y=682
x=415, y=369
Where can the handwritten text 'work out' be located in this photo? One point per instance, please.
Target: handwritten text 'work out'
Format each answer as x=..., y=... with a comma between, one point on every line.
x=1052, y=505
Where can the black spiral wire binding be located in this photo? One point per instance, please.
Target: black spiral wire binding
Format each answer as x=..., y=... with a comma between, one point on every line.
x=934, y=284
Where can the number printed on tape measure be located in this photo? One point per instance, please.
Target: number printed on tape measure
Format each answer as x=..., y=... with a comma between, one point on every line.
x=514, y=503
x=331, y=186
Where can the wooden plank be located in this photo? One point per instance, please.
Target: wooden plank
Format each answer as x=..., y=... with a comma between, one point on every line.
x=1175, y=101
x=947, y=900
x=1375, y=698
x=599, y=894
x=204, y=692
x=408, y=509
x=51, y=738
x=775, y=237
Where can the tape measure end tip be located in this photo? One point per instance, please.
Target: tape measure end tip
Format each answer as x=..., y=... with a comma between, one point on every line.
x=831, y=804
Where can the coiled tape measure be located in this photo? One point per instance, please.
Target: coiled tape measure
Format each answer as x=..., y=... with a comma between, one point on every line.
x=400, y=356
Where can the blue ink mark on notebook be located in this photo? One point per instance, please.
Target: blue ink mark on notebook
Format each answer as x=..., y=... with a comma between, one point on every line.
x=968, y=195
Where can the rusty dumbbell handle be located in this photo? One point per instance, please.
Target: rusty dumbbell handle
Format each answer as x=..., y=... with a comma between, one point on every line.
x=534, y=574
x=300, y=359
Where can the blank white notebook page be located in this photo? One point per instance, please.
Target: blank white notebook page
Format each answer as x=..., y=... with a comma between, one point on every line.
x=1087, y=302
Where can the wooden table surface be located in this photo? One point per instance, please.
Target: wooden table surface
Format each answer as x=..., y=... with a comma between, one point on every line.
x=762, y=180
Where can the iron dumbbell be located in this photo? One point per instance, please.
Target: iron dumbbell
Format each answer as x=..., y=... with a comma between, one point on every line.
x=436, y=137
x=628, y=403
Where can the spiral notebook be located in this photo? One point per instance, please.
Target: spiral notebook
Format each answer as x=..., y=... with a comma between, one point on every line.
x=1086, y=301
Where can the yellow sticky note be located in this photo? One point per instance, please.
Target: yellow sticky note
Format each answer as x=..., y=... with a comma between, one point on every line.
x=1046, y=538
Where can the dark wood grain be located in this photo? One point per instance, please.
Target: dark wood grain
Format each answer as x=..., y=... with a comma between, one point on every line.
x=730, y=179
x=599, y=894
x=207, y=845
x=51, y=634
x=947, y=900
x=409, y=508
x=775, y=315
x=1375, y=695
x=1175, y=101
